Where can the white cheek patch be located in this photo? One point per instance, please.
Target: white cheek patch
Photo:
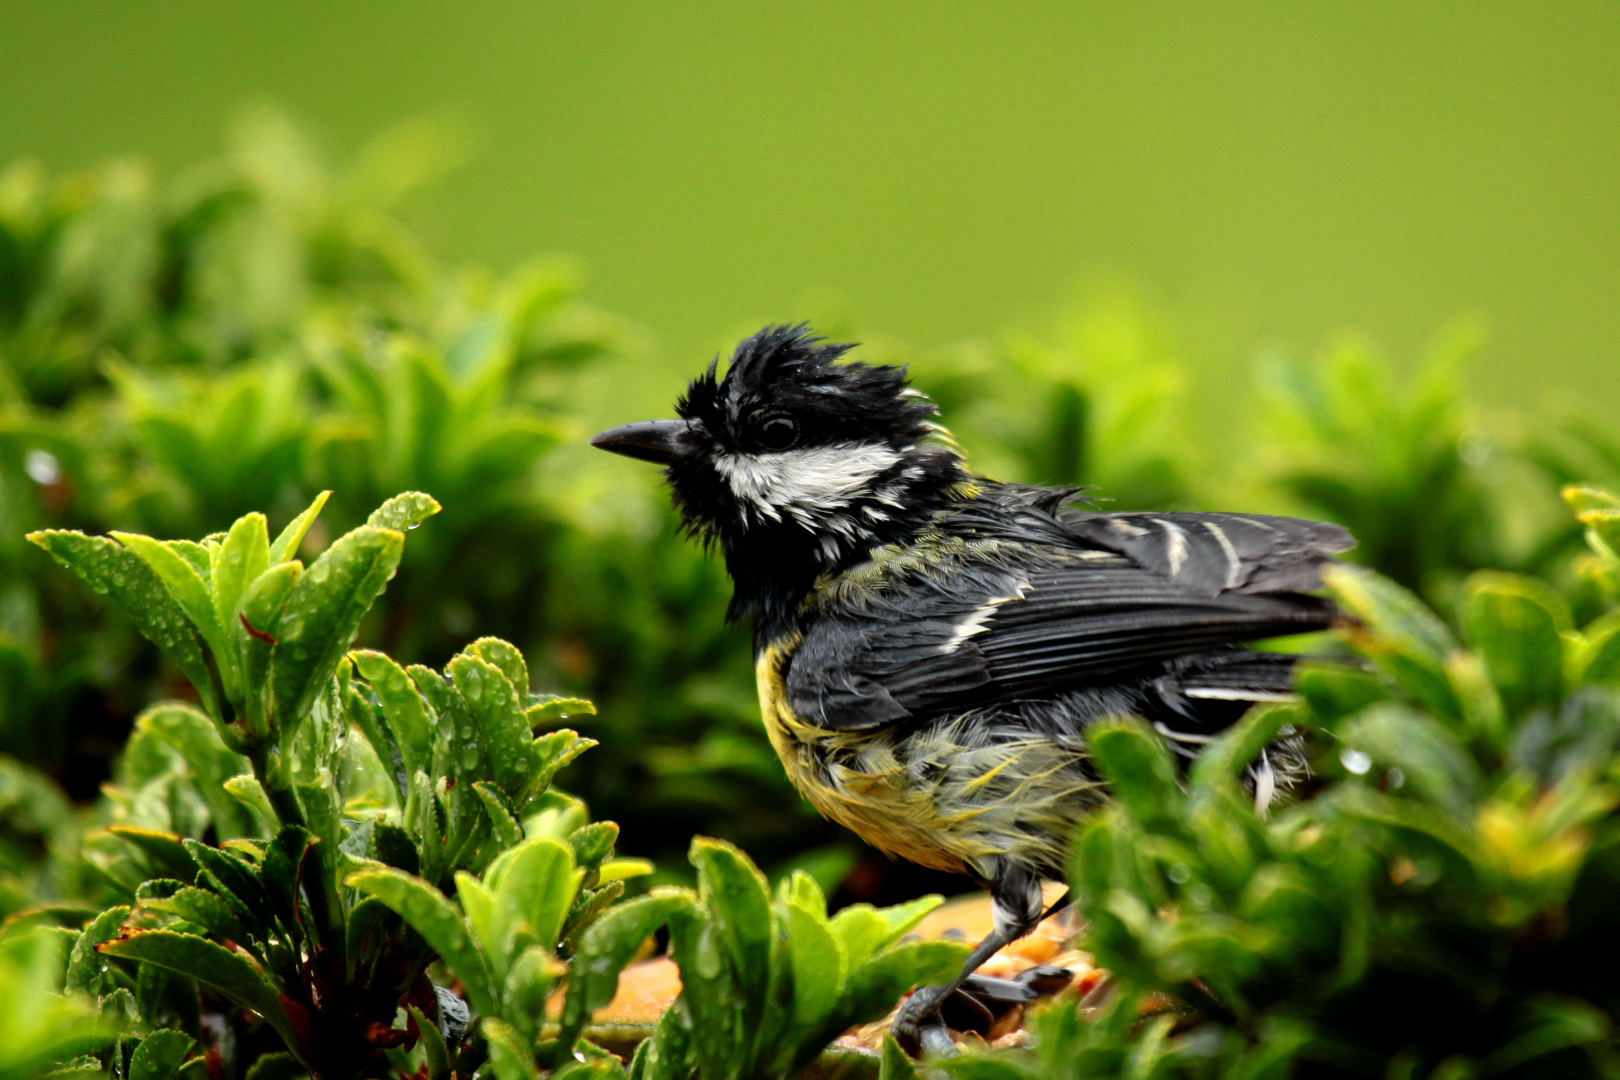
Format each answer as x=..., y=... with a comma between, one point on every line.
x=808, y=484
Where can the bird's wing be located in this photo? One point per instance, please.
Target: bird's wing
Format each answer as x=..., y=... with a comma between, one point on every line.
x=1216, y=553
x=944, y=638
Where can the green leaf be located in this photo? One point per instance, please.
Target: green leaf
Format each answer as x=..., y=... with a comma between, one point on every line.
x=550, y=752
x=529, y=979
x=404, y=511
x=894, y=1063
x=285, y=547
x=495, y=707
x=1239, y=745
x=1600, y=657
x=215, y=966
x=1137, y=765
x=436, y=919
x=556, y=710
x=193, y=734
x=1554, y=1025
x=160, y=1055
x=710, y=1003
x=604, y=949
x=1333, y=690
x=276, y=1067
x=534, y=885
x=243, y=556
x=186, y=585
x=323, y=612
x=509, y=1058
x=86, y=969
x=1515, y=624
x=118, y=573
x=247, y=790
x=1427, y=754
x=205, y=908
x=738, y=900
x=507, y=830
x=505, y=656
x=433, y=1047
x=238, y=883
x=258, y=618
x=817, y=960
x=282, y=874
x=594, y=842
x=668, y=1054
x=1407, y=641
x=1585, y=497
x=168, y=853
x=402, y=705
x=872, y=989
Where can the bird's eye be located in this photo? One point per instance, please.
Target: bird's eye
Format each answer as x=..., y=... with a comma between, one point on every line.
x=778, y=433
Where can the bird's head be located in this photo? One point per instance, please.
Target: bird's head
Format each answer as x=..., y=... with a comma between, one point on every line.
x=794, y=463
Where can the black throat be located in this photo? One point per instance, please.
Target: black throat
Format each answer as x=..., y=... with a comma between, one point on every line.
x=775, y=564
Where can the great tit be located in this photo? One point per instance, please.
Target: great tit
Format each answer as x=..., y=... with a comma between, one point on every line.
x=930, y=645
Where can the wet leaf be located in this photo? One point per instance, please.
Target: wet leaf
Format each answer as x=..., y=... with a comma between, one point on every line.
x=509, y=1058
x=286, y=544
x=185, y=583
x=506, y=657
x=1138, y=767
x=1515, y=624
x=404, y=511
x=159, y=1056
x=738, y=900
x=594, y=842
x=496, y=709
x=243, y=556
x=323, y=611
x=119, y=574
x=406, y=713
x=207, y=909
x=216, y=967
x=86, y=968
x=1407, y=641
x=610, y=943
x=507, y=829
x=557, y=710
x=437, y=920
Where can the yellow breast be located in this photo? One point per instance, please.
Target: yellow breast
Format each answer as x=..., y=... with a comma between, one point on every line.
x=849, y=777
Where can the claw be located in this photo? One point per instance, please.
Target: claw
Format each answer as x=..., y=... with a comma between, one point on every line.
x=919, y=1029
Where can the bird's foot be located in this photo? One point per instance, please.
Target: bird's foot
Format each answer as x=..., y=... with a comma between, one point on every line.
x=919, y=1028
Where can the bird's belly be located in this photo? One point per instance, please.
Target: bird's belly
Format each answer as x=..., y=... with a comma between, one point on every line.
x=955, y=794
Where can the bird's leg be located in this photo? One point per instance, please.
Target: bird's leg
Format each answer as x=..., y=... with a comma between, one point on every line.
x=1015, y=901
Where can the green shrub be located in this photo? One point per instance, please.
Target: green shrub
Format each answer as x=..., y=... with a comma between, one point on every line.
x=242, y=828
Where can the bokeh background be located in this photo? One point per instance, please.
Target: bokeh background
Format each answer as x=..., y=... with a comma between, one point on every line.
x=1358, y=261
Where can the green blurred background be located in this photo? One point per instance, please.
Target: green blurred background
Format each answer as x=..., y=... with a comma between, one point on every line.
x=1263, y=171
x=1351, y=261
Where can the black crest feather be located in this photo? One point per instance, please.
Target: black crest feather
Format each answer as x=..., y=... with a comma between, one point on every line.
x=790, y=369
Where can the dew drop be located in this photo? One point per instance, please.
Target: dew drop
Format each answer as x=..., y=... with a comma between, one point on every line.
x=1355, y=761
x=43, y=468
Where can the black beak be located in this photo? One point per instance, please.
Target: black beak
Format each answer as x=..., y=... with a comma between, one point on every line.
x=663, y=441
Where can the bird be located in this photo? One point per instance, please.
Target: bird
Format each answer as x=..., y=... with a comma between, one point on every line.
x=931, y=645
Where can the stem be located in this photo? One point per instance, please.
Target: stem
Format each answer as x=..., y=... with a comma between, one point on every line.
x=270, y=766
